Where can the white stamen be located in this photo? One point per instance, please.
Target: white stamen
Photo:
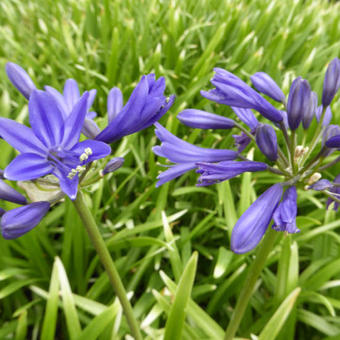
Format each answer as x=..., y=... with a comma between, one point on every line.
x=83, y=157
x=88, y=151
x=314, y=178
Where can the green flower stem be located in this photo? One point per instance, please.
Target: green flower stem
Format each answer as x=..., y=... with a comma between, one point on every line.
x=107, y=262
x=249, y=283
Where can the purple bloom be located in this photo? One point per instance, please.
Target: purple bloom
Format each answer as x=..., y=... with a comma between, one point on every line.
x=212, y=173
x=67, y=101
x=16, y=222
x=285, y=214
x=52, y=145
x=310, y=110
x=330, y=131
x=331, y=82
x=299, y=100
x=336, y=191
x=20, y=79
x=7, y=193
x=185, y=154
x=114, y=103
x=327, y=117
x=231, y=90
x=252, y=225
x=241, y=141
x=265, y=84
x=204, y=120
x=322, y=184
x=266, y=141
x=147, y=104
x=113, y=165
x=247, y=117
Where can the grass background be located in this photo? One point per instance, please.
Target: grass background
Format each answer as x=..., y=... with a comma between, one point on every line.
x=51, y=284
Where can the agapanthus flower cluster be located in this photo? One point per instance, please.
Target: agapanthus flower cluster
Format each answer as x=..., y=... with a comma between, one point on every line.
x=54, y=155
x=295, y=135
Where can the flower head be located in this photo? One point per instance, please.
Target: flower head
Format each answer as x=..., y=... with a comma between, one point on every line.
x=52, y=145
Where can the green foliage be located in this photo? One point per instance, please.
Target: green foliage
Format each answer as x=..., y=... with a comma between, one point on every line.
x=52, y=285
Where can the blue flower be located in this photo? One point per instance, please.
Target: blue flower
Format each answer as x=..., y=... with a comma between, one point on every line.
x=299, y=102
x=9, y=194
x=231, y=90
x=251, y=226
x=52, y=145
x=20, y=79
x=204, y=120
x=146, y=105
x=331, y=82
x=113, y=165
x=266, y=141
x=285, y=214
x=265, y=84
x=18, y=221
x=322, y=184
x=184, y=154
x=69, y=98
x=212, y=173
x=336, y=191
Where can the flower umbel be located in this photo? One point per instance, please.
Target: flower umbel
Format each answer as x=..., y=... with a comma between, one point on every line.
x=299, y=168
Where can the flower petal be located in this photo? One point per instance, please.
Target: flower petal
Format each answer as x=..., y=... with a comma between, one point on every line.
x=98, y=149
x=46, y=118
x=27, y=166
x=16, y=222
x=67, y=185
x=20, y=137
x=71, y=94
x=204, y=120
x=174, y=172
x=74, y=122
x=114, y=103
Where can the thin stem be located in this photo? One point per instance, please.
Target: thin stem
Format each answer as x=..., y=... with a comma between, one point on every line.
x=249, y=283
x=336, y=160
x=107, y=262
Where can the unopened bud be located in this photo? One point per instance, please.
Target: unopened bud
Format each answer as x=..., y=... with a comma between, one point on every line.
x=314, y=178
x=113, y=165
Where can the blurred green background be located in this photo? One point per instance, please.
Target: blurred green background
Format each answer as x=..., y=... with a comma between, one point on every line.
x=103, y=44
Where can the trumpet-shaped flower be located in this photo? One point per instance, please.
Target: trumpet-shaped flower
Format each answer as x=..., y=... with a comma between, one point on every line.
x=231, y=90
x=251, y=226
x=52, y=145
x=212, y=173
x=146, y=105
x=204, y=120
x=184, y=154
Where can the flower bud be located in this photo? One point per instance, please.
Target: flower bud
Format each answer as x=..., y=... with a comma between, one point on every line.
x=298, y=101
x=20, y=79
x=285, y=214
x=252, y=225
x=19, y=221
x=7, y=193
x=309, y=111
x=322, y=184
x=331, y=82
x=113, y=165
x=265, y=84
x=266, y=141
x=204, y=120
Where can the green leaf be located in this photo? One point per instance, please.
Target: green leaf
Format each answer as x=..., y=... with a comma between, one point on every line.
x=276, y=322
x=176, y=318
